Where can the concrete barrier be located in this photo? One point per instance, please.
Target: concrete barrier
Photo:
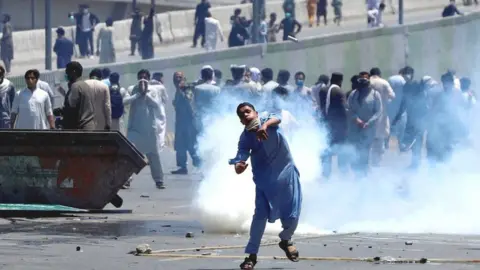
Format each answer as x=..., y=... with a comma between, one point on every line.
x=429, y=47
x=178, y=26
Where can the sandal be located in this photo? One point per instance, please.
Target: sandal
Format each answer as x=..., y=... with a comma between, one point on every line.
x=249, y=263
x=290, y=250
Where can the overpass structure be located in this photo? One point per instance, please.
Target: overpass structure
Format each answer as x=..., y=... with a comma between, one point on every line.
x=177, y=27
x=22, y=10
x=431, y=45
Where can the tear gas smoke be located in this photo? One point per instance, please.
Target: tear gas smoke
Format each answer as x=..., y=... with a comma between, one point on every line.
x=437, y=200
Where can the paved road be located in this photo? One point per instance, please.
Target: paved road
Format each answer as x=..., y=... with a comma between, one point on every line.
x=163, y=219
x=184, y=48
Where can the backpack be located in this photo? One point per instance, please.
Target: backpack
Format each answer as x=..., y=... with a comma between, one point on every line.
x=116, y=100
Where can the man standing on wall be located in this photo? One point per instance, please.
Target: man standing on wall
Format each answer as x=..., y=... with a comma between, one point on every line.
x=86, y=23
x=6, y=44
x=135, y=31
x=213, y=29
x=200, y=15
x=7, y=95
x=64, y=49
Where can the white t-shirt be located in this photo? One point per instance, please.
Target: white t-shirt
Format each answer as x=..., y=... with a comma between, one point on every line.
x=32, y=109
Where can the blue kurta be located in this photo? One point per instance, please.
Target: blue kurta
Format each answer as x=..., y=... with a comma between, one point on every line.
x=277, y=180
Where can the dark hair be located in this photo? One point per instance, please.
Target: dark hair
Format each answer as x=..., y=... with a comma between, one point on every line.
x=75, y=68
x=209, y=14
x=7, y=17
x=157, y=76
x=337, y=78
x=244, y=104
x=143, y=71
x=237, y=72
x=95, y=73
x=114, y=78
x=2, y=70
x=218, y=73
x=354, y=81
x=323, y=79
x=448, y=78
x=363, y=73
x=206, y=74
x=109, y=22
x=375, y=72
x=407, y=70
x=237, y=11
x=61, y=31
x=465, y=83
x=106, y=73
x=283, y=76
x=281, y=91
x=300, y=73
x=267, y=74
x=35, y=73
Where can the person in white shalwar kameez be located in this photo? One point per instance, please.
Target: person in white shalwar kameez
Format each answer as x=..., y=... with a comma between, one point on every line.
x=105, y=46
x=374, y=13
x=212, y=29
x=147, y=122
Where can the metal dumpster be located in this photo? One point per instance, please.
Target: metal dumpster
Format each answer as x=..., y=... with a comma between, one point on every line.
x=79, y=169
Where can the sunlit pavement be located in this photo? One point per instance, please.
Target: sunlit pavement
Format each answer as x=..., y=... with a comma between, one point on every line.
x=162, y=218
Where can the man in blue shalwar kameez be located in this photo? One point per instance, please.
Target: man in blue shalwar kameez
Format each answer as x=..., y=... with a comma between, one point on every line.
x=278, y=191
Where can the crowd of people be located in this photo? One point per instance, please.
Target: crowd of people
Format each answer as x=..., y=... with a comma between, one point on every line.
x=359, y=119
x=145, y=26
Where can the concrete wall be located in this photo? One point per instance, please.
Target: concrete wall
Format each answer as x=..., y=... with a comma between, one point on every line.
x=20, y=9
x=177, y=26
x=430, y=48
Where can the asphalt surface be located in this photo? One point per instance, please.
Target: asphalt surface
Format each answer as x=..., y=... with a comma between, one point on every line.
x=184, y=48
x=161, y=218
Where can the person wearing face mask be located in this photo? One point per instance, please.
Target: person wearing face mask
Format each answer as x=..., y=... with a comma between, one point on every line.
x=86, y=23
x=185, y=131
x=364, y=110
x=288, y=26
x=278, y=192
x=147, y=122
x=305, y=93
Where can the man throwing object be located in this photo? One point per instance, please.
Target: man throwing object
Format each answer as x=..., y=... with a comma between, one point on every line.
x=278, y=193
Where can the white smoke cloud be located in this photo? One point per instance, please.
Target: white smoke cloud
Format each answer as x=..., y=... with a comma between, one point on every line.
x=391, y=199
